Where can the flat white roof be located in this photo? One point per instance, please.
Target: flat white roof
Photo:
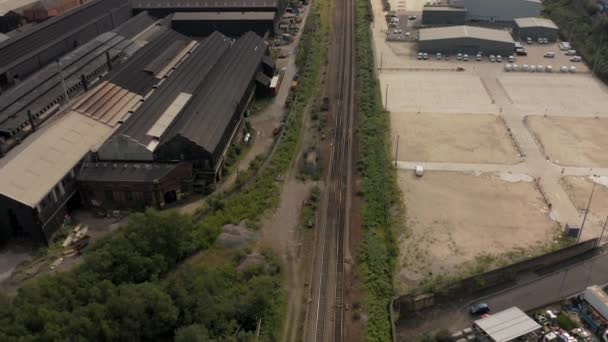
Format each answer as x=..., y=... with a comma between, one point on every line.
x=535, y=22
x=464, y=31
x=507, y=325
x=35, y=170
x=10, y=5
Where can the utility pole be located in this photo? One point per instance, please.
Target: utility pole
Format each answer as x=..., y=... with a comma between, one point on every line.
x=586, y=212
x=397, y=150
x=65, y=89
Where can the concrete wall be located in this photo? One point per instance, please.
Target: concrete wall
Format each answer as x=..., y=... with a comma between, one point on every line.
x=499, y=10
x=466, y=45
x=535, y=33
x=486, y=282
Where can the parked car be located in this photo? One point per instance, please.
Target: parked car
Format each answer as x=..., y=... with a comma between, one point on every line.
x=549, y=68
x=563, y=68
x=412, y=17
x=525, y=67
x=576, y=59
x=479, y=309
x=540, y=68
x=465, y=57
x=420, y=55
x=425, y=56
x=532, y=68
x=571, y=53
x=508, y=67
x=564, y=46
x=572, y=69
x=521, y=52
x=515, y=67
x=459, y=57
x=478, y=57
x=492, y=58
x=438, y=55
x=499, y=58
x=549, y=54
x=511, y=59
x=529, y=40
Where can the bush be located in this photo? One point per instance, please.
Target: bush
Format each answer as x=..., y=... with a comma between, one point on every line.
x=565, y=322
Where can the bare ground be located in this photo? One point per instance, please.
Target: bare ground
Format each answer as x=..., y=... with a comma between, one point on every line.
x=455, y=217
x=579, y=190
x=572, y=141
x=462, y=138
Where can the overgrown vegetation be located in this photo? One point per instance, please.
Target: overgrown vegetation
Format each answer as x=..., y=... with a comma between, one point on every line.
x=565, y=322
x=586, y=29
x=130, y=287
x=379, y=186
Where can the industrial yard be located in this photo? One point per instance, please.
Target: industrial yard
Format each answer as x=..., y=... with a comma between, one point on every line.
x=494, y=145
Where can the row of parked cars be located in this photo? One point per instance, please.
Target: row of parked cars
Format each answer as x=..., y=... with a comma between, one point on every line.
x=465, y=57
x=538, y=68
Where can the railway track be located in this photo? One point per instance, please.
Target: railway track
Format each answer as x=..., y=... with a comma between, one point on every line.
x=330, y=286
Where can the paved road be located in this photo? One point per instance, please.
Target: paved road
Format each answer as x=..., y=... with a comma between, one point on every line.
x=527, y=296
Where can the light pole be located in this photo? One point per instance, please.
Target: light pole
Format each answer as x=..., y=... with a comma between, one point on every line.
x=586, y=212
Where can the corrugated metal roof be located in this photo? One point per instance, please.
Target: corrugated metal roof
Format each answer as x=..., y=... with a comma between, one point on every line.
x=33, y=172
x=185, y=79
x=463, y=31
x=11, y=5
x=228, y=16
x=42, y=36
x=124, y=172
x=176, y=4
x=207, y=118
x=507, y=325
x=535, y=22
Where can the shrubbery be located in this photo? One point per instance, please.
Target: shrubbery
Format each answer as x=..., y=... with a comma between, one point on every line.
x=378, y=250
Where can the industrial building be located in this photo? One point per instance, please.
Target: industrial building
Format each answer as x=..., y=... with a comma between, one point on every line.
x=192, y=117
x=38, y=184
x=535, y=28
x=38, y=97
x=465, y=39
x=433, y=15
x=42, y=44
x=498, y=10
x=232, y=18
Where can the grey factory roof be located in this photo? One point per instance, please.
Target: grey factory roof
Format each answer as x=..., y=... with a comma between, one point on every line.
x=31, y=174
x=40, y=37
x=124, y=172
x=463, y=31
x=208, y=116
x=185, y=80
x=507, y=325
x=176, y=4
x=444, y=9
x=11, y=5
x=43, y=87
x=192, y=16
x=535, y=22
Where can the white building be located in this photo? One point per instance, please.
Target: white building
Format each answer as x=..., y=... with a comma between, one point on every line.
x=499, y=10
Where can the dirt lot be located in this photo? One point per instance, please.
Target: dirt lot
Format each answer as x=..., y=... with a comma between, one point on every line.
x=455, y=217
x=461, y=138
x=571, y=141
x=579, y=190
x=440, y=92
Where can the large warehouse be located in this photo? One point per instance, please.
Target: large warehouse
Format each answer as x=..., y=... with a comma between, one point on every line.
x=498, y=10
x=465, y=39
x=433, y=15
x=535, y=28
x=38, y=177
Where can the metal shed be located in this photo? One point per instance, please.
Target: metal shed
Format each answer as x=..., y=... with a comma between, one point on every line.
x=465, y=39
x=535, y=28
x=443, y=15
x=506, y=325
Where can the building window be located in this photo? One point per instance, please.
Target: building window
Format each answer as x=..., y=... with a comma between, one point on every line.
x=54, y=194
x=61, y=189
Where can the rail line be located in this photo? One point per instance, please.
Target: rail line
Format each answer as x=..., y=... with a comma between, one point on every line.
x=331, y=277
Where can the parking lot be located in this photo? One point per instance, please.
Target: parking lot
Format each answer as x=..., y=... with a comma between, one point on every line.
x=466, y=122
